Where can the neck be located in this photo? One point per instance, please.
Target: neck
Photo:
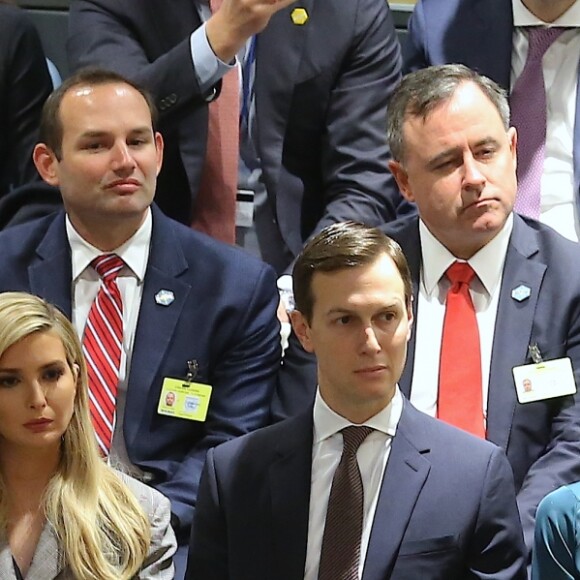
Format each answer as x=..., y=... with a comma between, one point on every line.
x=26, y=472
x=109, y=234
x=547, y=10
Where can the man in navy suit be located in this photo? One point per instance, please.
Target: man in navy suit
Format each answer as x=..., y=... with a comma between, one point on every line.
x=491, y=37
x=324, y=70
x=437, y=502
x=455, y=157
x=191, y=305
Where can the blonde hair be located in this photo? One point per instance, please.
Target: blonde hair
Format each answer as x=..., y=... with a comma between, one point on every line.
x=102, y=530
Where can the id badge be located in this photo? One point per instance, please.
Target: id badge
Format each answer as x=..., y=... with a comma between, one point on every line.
x=183, y=399
x=544, y=380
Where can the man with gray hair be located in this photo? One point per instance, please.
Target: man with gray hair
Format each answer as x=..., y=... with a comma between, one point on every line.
x=497, y=295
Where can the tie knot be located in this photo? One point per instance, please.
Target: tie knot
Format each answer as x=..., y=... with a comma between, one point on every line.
x=540, y=39
x=353, y=437
x=108, y=266
x=460, y=273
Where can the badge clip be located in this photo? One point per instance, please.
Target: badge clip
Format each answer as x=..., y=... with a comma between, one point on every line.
x=535, y=354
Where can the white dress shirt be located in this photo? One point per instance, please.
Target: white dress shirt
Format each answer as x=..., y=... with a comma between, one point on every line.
x=488, y=265
x=85, y=285
x=558, y=206
x=372, y=458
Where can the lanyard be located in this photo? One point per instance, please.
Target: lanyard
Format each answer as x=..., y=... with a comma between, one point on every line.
x=248, y=82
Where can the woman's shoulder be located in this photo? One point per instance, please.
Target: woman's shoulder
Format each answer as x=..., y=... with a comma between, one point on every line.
x=150, y=499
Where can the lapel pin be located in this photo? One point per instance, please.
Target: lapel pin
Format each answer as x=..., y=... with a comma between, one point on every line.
x=164, y=297
x=299, y=16
x=521, y=293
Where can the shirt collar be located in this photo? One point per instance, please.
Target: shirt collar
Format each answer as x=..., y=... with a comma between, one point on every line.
x=523, y=17
x=134, y=252
x=487, y=262
x=327, y=422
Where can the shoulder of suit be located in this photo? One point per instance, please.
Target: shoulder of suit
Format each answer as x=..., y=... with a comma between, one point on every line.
x=436, y=433
x=268, y=438
x=146, y=495
x=196, y=246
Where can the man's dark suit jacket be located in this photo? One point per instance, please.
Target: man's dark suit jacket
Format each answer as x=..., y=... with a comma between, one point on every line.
x=477, y=33
x=223, y=316
x=24, y=86
x=541, y=439
x=321, y=92
x=446, y=508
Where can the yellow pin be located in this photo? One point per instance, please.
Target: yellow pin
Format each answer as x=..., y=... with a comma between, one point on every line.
x=299, y=16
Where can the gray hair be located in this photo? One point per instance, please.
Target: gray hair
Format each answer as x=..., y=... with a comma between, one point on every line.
x=422, y=91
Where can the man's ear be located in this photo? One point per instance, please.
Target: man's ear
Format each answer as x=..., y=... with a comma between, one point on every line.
x=159, y=146
x=302, y=330
x=410, y=318
x=402, y=179
x=46, y=163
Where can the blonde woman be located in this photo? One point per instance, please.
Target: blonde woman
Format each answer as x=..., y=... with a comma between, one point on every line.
x=64, y=514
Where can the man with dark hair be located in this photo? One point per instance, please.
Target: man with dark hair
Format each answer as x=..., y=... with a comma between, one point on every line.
x=362, y=484
x=515, y=280
x=316, y=79
x=531, y=48
x=160, y=308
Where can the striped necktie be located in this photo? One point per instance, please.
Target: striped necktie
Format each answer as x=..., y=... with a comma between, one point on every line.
x=102, y=343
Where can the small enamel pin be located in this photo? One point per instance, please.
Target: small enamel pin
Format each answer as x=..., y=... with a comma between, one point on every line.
x=164, y=297
x=521, y=293
x=299, y=16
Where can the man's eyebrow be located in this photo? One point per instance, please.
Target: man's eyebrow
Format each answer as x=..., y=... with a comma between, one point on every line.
x=448, y=153
x=442, y=157
x=145, y=130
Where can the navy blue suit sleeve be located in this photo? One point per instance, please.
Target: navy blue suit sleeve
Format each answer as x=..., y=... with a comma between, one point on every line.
x=498, y=550
x=106, y=33
x=24, y=86
x=357, y=183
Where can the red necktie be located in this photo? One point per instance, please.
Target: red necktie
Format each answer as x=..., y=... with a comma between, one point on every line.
x=102, y=342
x=340, y=552
x=460, y=400
x=215, y=205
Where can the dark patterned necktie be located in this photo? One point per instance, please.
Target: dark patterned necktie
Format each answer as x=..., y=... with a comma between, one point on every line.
x=340, y=554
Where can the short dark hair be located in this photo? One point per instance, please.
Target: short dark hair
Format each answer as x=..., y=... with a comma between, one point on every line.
x=422, y=91
x=340, y=246
x=51, y=130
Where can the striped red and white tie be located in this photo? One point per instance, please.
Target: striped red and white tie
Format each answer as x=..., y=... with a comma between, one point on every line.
x=102, y=343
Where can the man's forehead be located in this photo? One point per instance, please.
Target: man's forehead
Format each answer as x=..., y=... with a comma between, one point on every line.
x=364, y=274
x=87, y=97
x=85, y=105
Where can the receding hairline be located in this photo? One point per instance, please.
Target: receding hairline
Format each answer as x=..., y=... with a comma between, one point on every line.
x=88, y=87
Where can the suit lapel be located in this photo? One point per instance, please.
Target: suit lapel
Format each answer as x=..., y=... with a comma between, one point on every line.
x=156, y=323
x=6, y=566
x=290, y=476
x=51, y=275
x=278, y=53
x=513, y=328
x=47, y=562
x=405, y=474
